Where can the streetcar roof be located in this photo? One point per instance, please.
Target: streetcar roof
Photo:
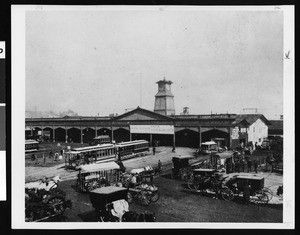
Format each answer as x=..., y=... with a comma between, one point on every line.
x=99, y=167
x=31, y=142
x=250, y=177
x=204, y=170
x=93, y=148
x=101, y=137
x=209, y=143
x=128, y=143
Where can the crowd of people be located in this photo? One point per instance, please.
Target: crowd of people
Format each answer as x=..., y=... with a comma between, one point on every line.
x=56, y=156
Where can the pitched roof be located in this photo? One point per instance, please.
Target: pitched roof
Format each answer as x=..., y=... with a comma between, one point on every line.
x=251, y=118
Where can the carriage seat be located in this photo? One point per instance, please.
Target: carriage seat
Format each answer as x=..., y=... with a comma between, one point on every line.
x=119, y=208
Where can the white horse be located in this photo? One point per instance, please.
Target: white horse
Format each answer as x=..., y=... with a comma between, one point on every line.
x=45, y=183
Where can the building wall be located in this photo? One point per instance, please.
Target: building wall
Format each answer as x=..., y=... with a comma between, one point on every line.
x=257, y=132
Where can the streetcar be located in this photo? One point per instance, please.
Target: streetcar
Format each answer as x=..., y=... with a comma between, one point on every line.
x=130, y=149
x=91, y=154
x=101, y=139
x=31, y=146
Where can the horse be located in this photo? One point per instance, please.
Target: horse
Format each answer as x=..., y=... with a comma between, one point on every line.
x=46, y=183
x=132, y=216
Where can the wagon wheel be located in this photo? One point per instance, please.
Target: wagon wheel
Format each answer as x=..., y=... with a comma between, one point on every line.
x=260, y=197
x=144, y=198
x=56, y=203
x=227, y=194
x=268, y=192
x=193, y=184
x=129, y=197
x=91, y=185
x=155, y=196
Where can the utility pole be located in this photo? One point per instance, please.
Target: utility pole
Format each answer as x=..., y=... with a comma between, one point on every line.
x=140, y=89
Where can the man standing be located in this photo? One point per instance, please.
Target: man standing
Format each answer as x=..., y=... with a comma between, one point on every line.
x=153, y=150
x=255, y=166
x=249, y=163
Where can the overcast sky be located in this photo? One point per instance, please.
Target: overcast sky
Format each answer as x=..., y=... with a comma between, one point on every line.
x=92, y=61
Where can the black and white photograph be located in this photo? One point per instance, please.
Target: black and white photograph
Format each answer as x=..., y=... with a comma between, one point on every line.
x=152, y=116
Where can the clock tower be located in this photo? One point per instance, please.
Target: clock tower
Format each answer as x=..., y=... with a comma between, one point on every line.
x=164, y=99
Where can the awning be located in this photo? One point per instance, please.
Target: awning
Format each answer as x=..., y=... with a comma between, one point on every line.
x=99, y=166
x=224, y=155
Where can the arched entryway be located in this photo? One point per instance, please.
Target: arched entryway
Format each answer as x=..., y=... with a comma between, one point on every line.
x=60, y=134
x=88, y=134
x=187, y=138
x=74, y=135
x=220, y=137
x=121, y=134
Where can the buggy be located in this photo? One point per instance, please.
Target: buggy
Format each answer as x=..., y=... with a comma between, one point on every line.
x=258, y=193
x=44, y=204
x=210, y=181
x=97, y=175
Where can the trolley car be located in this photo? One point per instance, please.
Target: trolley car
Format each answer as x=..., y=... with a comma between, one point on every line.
x=101, y=139
x=91, y=154
x=130, y=149
x=31, y=146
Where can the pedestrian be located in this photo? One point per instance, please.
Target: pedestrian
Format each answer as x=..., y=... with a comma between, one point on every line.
x=255, y=166
x=55, y=156
x=51, y=154
x=246, y=192
x=36, y=161
x=249, y=163
x=44, y=159
x=33, y=157
x=243, y=165
x=153, y=149
x=159, y=167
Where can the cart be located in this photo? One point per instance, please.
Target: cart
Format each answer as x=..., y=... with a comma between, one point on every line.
x=208, y=181
x=181, y=167
x=97, y=175
x=103, y=200
x=258, y=193
x=44, y=205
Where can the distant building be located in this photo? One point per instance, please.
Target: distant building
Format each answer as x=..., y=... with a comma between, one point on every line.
x=256, y=127
x=164, y=99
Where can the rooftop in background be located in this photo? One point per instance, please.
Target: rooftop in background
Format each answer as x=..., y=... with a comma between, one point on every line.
x=251, y=118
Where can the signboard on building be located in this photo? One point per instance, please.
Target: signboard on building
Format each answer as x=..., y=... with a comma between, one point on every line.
x=152, y=129
x=235, y=133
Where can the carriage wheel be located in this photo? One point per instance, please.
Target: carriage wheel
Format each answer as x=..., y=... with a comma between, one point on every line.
x=192, y=184
x=91, y=185
x=260, y=197
x=129, y=197
x=227, y=194
x=144, y=198
x=268, y=192
x=56, y=203
x=155, y=196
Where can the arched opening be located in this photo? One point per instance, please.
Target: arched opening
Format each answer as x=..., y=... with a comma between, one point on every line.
x=104, y=131
x=60, y=135
x=88, y=135
x=187, y=138
x=48, y=134
x=220, y=137
x=74, y=135
x=121, y=135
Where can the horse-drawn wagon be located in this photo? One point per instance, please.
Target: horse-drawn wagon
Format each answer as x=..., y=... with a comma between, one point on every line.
x=44, y=200
x=209, y=181
x=110, y=204
x=253, y=185
x=97, y=175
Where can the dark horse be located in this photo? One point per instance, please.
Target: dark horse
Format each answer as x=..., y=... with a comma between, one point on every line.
x=132, y=216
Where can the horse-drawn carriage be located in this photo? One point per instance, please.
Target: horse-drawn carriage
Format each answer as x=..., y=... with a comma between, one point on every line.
x=44, y=200
x=258, y=194
x=210, y=181
x=97, y=175
x=140, y=186
x=110, y=204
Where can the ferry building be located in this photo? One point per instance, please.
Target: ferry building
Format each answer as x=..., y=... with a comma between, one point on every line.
x=160, y=126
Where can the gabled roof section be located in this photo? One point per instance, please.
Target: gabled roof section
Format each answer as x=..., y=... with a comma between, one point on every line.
x=142, y=115
x=251, y=118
